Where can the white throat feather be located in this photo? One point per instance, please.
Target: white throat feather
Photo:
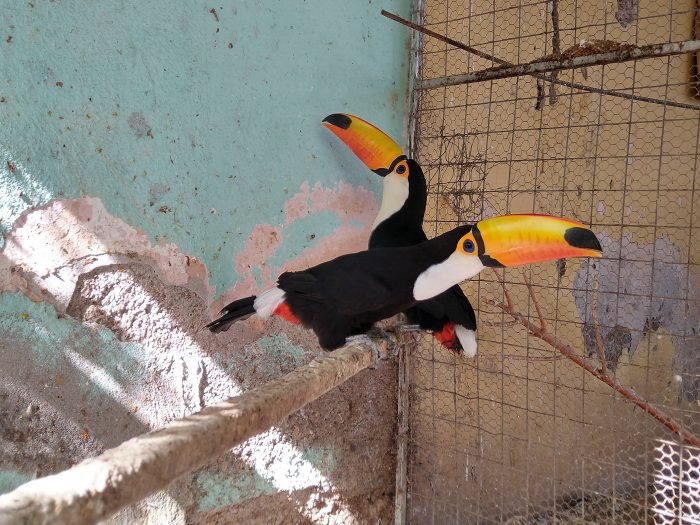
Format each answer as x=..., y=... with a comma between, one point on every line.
x=394, y=196
x=439, y=277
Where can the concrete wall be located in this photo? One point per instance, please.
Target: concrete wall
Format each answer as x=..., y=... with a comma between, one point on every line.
x=161, y=158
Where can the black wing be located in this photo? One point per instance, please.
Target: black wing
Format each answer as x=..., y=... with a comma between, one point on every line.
x=354, y=284
x=451, y=305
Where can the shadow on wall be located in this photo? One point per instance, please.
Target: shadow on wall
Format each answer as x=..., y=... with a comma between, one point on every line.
x=140, y=359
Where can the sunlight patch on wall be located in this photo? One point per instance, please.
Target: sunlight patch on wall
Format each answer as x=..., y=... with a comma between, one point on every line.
x=21, y=192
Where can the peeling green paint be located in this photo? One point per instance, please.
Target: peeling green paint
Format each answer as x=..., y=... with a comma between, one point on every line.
x=263, y=360
x=11, y=479
x=188, y=125
x=220, y=491
x=20, y=192
x=279, y=346
x=271, y=356
x=25, y=324
x=323, y=458
x=36, y=325
x=193, y=126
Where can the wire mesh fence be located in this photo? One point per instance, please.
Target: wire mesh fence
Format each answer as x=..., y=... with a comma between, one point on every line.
x=520, y=434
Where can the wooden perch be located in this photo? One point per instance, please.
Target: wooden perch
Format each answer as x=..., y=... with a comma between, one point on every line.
x=545, y=335
x=98, y=487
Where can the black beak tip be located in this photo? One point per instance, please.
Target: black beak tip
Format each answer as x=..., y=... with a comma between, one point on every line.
x=490, y=262
x=582, y=238
x=338, y=120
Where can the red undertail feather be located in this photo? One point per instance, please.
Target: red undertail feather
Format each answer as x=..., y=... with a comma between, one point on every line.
x=448, y=337
x=285, y=312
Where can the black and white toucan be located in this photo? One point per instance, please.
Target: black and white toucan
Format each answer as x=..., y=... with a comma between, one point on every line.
x=346, y=295
x=449, y=316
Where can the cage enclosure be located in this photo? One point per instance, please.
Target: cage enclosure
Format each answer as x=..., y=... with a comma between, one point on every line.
x=522, y=434
x=133, y=214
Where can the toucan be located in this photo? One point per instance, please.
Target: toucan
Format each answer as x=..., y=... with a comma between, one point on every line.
x=449, y=316
x=347, y=295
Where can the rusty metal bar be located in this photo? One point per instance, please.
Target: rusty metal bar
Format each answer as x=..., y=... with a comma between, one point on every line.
x=696, y=79
x=598, y=59
x=402, y=416
x=575, y=85
x=98, y=487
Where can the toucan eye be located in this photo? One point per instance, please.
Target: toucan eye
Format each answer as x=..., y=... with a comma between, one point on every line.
x=468, y=246
x=401, y=169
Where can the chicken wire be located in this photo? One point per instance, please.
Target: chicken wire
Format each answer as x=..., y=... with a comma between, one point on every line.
x=519, y=434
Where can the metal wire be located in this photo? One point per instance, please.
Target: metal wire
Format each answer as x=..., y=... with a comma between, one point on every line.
x=518, y=436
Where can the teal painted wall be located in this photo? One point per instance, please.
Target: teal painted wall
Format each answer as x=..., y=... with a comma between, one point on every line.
x=167, y=110
x=182, y=141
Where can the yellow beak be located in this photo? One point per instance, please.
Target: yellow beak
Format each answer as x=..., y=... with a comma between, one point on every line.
x=371, y=145
x=512, y=240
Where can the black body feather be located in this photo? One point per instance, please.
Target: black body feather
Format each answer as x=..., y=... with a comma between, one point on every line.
x=405, y=228
x=346, y=295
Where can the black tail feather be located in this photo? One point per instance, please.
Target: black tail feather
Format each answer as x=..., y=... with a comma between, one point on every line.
x=232, y=312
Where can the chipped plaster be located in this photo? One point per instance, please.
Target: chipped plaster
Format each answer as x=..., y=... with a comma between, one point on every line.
x=159, y=159
x=654, y=286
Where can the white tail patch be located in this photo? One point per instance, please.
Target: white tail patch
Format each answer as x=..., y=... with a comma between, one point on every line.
x=267, y=302
x=468, y=339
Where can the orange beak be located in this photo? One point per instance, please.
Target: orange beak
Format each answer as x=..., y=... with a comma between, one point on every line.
x=512, y=240
x=371, y=145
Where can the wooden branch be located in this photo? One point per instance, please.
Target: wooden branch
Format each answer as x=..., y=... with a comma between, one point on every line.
x=497, y=60
x=627, y=392
x=538, y=309
x=98, y=487
x=506, y=292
